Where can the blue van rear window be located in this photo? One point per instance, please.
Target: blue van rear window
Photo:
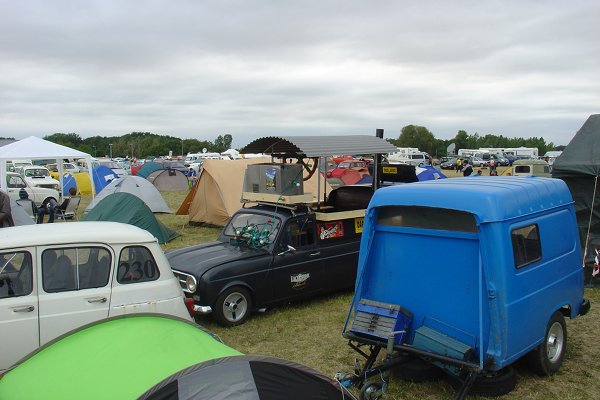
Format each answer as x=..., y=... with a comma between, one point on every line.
x=427, y=218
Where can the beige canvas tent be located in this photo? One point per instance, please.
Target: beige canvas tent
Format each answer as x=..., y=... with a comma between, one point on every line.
x=218, y=190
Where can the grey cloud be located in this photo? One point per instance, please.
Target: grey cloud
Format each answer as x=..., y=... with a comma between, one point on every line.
x=252, y=68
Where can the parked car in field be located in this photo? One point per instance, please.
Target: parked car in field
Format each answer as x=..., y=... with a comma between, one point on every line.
x=67, y=167
x=501, y=160
x=531, y=168
x=448, y=163
x=39, y=195
x=173, y=164
x=38, y=176
x=349, y=171
x=58, y=277
x=269, y=254
x=477, y=162
x=114, y=166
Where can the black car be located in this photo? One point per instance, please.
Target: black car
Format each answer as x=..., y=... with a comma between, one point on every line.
x=449, y=163
x=268, y=254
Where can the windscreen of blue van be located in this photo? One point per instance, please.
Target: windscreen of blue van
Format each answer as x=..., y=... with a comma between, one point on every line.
x=427, y=260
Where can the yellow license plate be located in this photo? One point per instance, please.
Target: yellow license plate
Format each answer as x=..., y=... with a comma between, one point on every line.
x=390, y=170
x=358, y=224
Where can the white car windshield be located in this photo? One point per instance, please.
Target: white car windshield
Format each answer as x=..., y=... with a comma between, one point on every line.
x=37, y=172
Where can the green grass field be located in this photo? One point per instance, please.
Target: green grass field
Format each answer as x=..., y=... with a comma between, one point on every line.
x=309, y=333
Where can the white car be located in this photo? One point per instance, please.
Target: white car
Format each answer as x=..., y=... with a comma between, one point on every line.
x=38, y=176
x=57, y=277
x=114, y=166
x=67, y=168
x=39, y=195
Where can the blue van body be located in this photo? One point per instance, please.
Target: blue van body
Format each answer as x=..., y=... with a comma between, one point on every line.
x=485, y=261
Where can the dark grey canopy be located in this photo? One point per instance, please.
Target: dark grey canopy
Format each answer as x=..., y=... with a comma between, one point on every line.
x=579, y=167
x=320, y=146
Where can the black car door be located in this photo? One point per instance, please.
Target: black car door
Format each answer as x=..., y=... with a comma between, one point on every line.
x=295, y=270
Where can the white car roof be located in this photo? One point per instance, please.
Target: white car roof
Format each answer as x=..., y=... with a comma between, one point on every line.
x=34, y=167
x=73, y=232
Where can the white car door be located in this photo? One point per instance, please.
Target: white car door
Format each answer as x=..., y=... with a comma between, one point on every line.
x=19, y=332
x=75, y=290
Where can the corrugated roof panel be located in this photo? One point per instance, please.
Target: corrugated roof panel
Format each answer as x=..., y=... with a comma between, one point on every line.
x=320, y=146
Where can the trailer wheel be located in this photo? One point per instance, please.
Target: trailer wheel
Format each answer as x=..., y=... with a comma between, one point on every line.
x=490, y=384
x=233, y=306
x=418, y=370
x=548, y=357
x=371, y=391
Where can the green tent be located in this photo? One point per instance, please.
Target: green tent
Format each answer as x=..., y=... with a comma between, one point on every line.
x=579, y=167
x=148, y=168
x=130, y=209
x=157, y=357
x=118, y=358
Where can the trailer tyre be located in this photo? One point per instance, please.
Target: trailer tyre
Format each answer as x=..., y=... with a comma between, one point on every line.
x=233, y=306
x=491, y=384
x=418, y=370
x=371, y=391
x=548, y=357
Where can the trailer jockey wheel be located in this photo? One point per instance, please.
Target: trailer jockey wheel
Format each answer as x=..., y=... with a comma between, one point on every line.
x=371, y=391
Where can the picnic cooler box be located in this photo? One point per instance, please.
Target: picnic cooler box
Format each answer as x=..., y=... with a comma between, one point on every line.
x=377, y=320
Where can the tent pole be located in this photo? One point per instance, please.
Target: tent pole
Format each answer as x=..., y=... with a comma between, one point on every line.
x=587, y=236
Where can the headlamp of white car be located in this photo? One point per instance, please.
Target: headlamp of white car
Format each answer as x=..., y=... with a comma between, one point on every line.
x=190, y=283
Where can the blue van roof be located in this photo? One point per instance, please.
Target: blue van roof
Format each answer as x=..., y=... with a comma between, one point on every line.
x=489, y=198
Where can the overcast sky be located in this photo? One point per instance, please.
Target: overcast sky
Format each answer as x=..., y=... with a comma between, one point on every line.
x=197, y=69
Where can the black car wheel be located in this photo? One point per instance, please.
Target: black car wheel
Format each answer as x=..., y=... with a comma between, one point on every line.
x=548, y=357
x=233, y=306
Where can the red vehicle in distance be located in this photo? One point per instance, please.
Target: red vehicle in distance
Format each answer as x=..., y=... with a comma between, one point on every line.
x=350, y=171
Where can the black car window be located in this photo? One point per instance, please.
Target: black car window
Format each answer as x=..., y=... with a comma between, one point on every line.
x=299, y=233
x=16, y=274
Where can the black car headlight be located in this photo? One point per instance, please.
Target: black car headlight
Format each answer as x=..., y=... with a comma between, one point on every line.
x=191, y=284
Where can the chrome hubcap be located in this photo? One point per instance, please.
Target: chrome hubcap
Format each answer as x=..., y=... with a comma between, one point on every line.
x=555, y=342
x=235, y=307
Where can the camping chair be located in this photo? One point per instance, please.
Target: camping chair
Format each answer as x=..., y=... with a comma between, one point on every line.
x=70, y=211
x=29, y=207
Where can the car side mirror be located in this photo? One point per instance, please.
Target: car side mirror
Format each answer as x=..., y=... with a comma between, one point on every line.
x=289, y=249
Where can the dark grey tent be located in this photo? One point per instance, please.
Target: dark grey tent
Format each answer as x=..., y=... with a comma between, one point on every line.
x=247, y=377
x=579, y=167
x=168, y=179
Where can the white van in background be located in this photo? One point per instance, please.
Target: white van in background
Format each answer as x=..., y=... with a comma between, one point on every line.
x=409, y=156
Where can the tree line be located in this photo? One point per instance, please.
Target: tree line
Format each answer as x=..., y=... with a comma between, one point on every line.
x=139, y=144
x=424, y=140
x=147, y=144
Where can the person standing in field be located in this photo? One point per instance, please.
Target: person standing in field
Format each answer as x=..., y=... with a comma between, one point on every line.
x=458, y=164
x=6, y=218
